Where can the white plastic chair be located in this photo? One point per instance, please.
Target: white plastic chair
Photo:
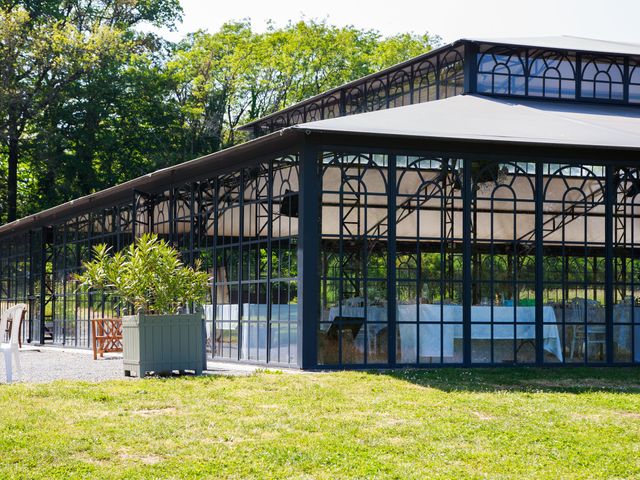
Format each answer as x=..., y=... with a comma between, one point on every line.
x=4, y=321
x=11, y=349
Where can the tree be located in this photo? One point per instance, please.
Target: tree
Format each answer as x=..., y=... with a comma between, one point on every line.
x=46, y=46
x=118, y=123
x=235, y=75
x=88, y=100
x=35, y=61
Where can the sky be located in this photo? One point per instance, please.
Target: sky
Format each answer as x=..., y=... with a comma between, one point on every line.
x=615, y=20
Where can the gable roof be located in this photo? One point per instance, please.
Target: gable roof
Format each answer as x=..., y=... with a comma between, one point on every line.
x=472, y=117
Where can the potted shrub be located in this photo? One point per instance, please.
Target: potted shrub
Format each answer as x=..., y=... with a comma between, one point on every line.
x=153, y=285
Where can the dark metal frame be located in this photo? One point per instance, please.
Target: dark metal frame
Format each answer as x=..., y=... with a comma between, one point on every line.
x=437, y=74
x=538, y=245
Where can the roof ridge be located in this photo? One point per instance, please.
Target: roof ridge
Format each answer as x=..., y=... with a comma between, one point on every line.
x=633, y=44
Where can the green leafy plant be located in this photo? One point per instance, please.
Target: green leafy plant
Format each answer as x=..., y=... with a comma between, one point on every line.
x=148, y=276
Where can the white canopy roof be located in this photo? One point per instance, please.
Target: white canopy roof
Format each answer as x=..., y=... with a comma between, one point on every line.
x=567, y=42
x=472, y=117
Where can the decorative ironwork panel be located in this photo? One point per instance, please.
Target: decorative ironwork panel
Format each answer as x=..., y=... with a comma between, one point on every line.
x=551, y=75
x=626, y=266
x=634, y=82
x=425, y=82
x=602, y=78
x=503, y=313
x=255, y=228
x=574, y=263
x=501, y=71
x=428, y=260
x=450, y=74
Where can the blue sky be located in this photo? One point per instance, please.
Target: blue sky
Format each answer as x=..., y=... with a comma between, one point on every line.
x=451, y=19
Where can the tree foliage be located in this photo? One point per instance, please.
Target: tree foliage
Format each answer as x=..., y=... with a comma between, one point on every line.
x=88, y=100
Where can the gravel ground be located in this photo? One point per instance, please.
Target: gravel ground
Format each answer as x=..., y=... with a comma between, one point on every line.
x=47, y=365
x=42, y=365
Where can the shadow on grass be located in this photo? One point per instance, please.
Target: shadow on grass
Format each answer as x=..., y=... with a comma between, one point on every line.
x=523, y=379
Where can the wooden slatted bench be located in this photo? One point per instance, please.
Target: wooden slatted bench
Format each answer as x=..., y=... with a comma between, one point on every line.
x=107, y=336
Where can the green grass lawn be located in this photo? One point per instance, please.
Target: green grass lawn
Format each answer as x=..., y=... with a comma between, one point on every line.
x=509, y=423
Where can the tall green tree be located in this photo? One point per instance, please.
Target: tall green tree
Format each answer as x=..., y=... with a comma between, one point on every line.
x=47, y=46
x=36, y=61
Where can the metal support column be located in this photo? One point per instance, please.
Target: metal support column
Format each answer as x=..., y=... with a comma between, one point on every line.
x=608, y=260
x=241, y=255
x=391, y=260
x=470, y=68
x=214, y=284
x=269, y=292
x=467, y=198
x=539, y=278
x=31, y=287
x=308, y=257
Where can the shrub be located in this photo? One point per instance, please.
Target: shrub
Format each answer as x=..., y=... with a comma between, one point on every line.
x=147, y=276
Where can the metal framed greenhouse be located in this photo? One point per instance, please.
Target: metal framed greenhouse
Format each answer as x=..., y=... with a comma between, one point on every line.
x=477, y=205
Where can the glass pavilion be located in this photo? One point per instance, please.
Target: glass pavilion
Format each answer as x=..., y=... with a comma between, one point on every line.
x=476, y=205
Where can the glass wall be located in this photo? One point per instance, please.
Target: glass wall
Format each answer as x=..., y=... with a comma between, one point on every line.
x=68, y=311
x=602, y=78
x=423, y=259
x=254, y=224
x=552, y=75
x=626, y=275
x=451, y=74
x=508, y=70
x=521, y=71
x=70, y=321
x=501, y=71
x=503, y=263
x=526, y=304
x=428, y=260
x=242, y=227
x=634, y=82
x=353, y=328
x=574, y=263
x=20, y=271
x=435, y=75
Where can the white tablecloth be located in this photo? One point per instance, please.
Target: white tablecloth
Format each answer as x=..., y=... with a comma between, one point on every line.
x=430, y=333
x=622, y=334
x=254, y=336
x=252, y=312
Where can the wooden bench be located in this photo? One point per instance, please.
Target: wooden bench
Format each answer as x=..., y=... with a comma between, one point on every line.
x=106, y=336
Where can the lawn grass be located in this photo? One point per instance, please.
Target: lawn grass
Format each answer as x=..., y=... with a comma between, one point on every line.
x=449, y=423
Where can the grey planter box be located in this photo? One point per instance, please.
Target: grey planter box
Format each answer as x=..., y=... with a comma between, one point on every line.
x=162, y=343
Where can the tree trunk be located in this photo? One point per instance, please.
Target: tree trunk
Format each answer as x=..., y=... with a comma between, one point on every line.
x=12, y=178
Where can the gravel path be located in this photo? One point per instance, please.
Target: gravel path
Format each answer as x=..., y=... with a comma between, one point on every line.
x=46, y=364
